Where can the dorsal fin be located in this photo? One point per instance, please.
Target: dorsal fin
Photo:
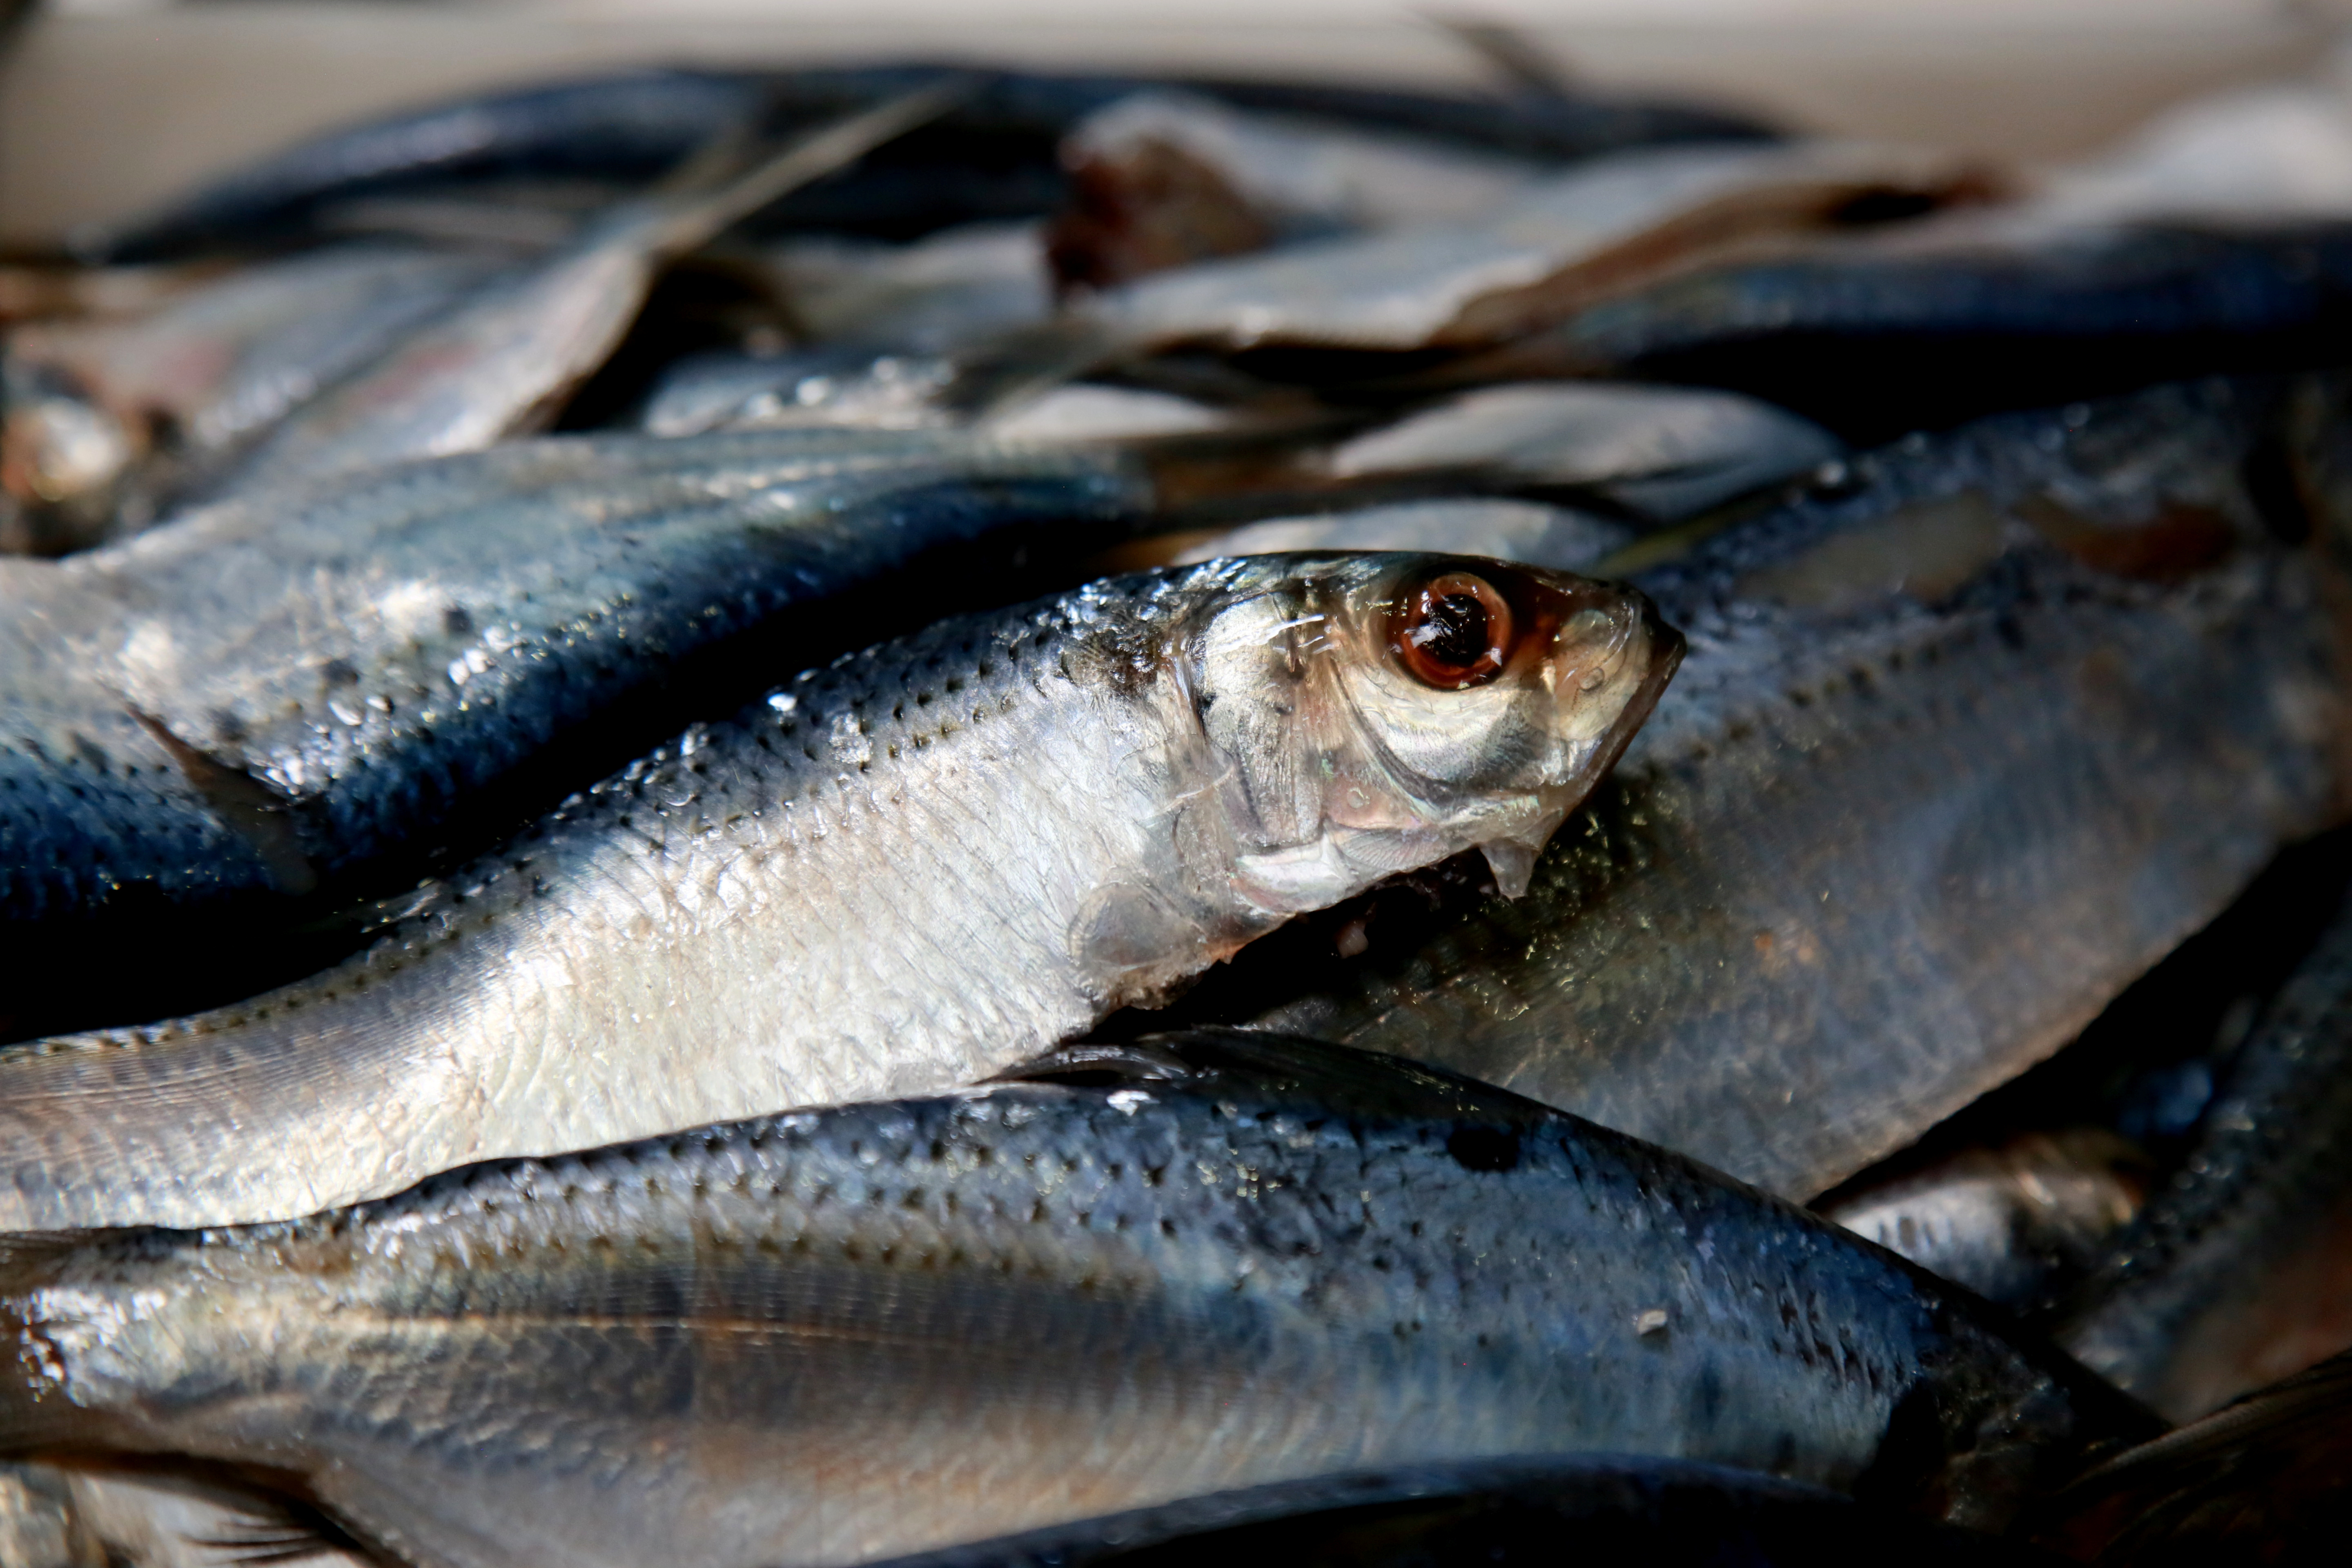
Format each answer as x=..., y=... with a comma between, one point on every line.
x=1338, y=1077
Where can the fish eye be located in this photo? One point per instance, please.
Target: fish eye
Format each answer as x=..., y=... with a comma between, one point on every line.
x=1452, y=631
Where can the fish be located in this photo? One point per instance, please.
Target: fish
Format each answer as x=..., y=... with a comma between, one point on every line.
x=2259, y=1481
x=2219, y=239
x=106, y=421
x=1875, y=335
x=1569, y=240
x=1196, y=1265
x=993, y=159
x=1667, y=1512
x=2234, y=1277
x=1163, y=178
x=230, y=725
x=2018, y=1223
x=927, y=297
x=1532, y=533
x=1664, y=453
x=859, y=390
x=78, y=1515
x=874, y=880
x=1870, y=857
x=502, y=361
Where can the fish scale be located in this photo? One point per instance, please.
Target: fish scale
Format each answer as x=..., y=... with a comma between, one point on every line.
x=923, y=1322
x=1879, y=850
x=878, y=879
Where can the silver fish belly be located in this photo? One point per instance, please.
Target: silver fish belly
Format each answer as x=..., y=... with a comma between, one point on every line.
x=894, y=874
x=835, y=1336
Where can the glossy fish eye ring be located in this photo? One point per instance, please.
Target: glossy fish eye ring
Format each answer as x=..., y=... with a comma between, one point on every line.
x=1454, y=631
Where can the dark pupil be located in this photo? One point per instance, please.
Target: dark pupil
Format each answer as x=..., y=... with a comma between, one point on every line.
x=1456, y=632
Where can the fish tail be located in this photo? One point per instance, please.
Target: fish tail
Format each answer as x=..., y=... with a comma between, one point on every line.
x=2268, y=1477
x=37, y=1414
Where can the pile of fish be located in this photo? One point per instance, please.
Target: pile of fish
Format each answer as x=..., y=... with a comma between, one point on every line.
x=774, y=819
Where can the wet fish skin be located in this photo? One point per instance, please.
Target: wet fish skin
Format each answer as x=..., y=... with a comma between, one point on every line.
x=2234, y=1277
x=878, y=879
x=1528, y=532
x=1866, y=862
x=317, y=688
x=502, y=361
x=181, y=390
x=1874, y=339
x=1593, y=231
x=2017, y=1224
x=852, y=1332
x=1663, y=453
x=1671, y=1513
x=993, y=159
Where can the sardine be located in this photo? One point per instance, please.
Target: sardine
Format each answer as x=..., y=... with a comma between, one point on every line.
x=502, y=363
x=1529, y=533
x=1663, y=453
x=103, y=422
x=840, y=1335
x=1615, y=1507
x=1962, y=747
x=2239, y=1273
x=893, y=874
x=855, y=390
x=1880, y=335
x=1163, y=179
x=2259, y=1481
x=2016, y=1224
x=942, y=291
x=1663, y=1513
x=322, y=692
x=1569, y=241
x=993, y=158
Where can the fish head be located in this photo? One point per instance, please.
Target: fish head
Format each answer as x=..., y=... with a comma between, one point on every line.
x=1368, y=715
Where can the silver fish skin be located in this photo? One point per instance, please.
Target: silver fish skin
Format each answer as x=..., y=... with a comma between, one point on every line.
x=1960, y=751
x=1532, y=533
x=845, y=1334
x=299, y=696
x=2237, y=1274
x=2016, y=1223
x=1576, y=237
x=501, y=362
x=1664, y=453
x=130, y=413
x=891, y=875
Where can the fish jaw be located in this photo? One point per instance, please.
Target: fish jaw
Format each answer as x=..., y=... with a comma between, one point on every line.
x=1352, y=769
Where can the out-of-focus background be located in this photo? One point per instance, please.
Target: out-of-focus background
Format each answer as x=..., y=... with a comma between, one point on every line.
x=106, y=105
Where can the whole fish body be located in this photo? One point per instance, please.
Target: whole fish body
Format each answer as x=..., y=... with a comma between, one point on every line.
x=849, y=1334
x=1666, y=1512
x=1931, y=789
x=994, y=158
x=2235, y=1277
x=310, y=693
x=896, y=873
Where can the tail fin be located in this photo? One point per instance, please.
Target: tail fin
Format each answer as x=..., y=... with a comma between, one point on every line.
x=2268, y=1478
